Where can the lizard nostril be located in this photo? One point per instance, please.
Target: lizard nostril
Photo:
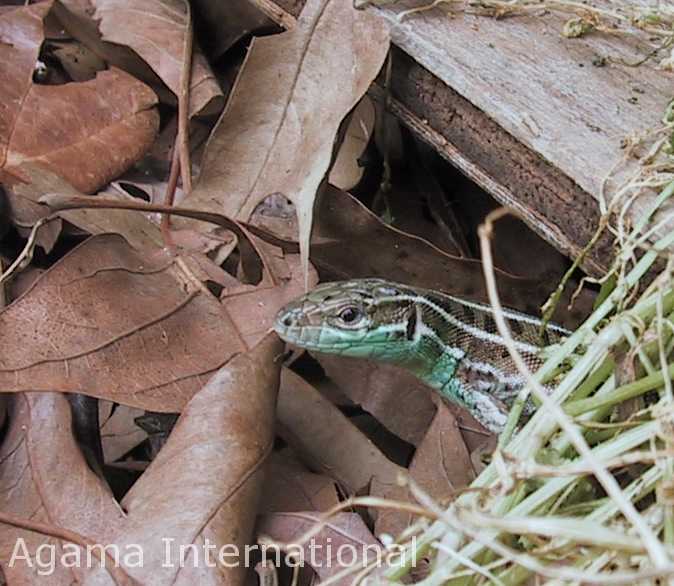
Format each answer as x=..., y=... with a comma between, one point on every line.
x=287, y=321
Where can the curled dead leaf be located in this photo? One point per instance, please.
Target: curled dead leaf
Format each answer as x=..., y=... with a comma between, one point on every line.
x=281, y=140
x=344, y=541
x=204, y=484
x=157, y=34
x=88, y=132
x=108, y=322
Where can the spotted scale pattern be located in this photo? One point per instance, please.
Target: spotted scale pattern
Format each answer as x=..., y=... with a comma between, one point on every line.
x=451, y=344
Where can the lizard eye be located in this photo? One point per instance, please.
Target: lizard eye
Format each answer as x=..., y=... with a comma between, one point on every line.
x=350, y=314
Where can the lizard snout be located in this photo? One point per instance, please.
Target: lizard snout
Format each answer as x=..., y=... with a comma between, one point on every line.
x=287, y=319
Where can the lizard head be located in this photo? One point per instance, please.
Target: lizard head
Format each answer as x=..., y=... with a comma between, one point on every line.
x=367, y=318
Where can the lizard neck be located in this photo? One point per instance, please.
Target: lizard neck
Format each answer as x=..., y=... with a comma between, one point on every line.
x=456, y=349
x=447, y=369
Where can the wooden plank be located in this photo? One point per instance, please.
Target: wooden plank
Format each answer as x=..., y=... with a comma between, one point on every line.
x=546, y=199
x=545, y=92
x=539, y=86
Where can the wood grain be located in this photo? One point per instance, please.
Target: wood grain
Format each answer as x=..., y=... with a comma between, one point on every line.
x=539, y=86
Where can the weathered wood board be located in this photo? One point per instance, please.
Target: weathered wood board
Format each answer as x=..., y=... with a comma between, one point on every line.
x=547, y=199
x=547, y=92
x=535, y=118
x=539, y=86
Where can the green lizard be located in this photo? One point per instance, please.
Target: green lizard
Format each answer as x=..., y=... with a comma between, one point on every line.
x=449, y=343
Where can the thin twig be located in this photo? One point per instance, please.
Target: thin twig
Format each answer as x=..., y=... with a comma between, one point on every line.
x=527, y=561
x=171, y=185
x=26, y=255
x=184, y=104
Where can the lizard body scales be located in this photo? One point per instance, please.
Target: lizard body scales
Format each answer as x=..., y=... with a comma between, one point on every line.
x=451, y=344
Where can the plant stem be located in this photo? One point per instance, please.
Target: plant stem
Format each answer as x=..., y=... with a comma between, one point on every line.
x=639, y=387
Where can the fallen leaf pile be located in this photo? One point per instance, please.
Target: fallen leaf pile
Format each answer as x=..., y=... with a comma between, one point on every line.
x=199, y=438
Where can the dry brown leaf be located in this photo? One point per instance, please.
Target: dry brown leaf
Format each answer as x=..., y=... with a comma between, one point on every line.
x=380, y=389
x=474, y=435
x=140, y=229
x=157, y=34
x=204, y=483
x=289, y=486
x=347, y=231
x=280, y=140
x=351, y=542
x=41, y=470
x=77, y=18
x=224, y=24
x=88, y=132
x=90, y=213
x=346, y=171
x=253, y=309
x=310, y=424
x=137, y=228
x=349, y=241
x=22, y=33
x=145, y=316
x=441, y=466
x=119, y=432
x=325, y=438
x=109, y=322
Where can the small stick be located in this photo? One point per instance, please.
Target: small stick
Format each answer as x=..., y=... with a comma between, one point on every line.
x=184, y=105
x=165, y=225
x=276, y=13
